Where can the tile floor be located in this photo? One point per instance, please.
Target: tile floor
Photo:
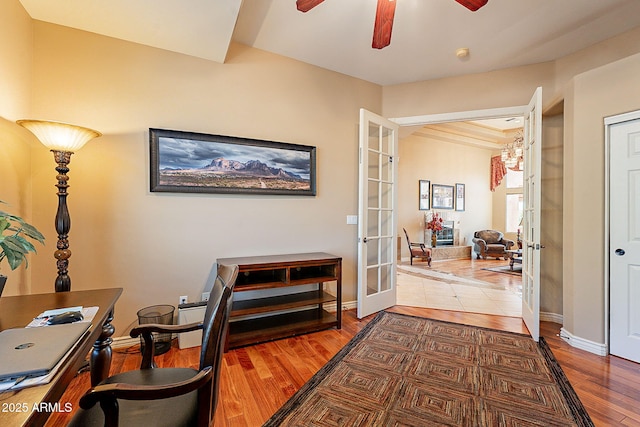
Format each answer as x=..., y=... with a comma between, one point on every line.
x=417, y=291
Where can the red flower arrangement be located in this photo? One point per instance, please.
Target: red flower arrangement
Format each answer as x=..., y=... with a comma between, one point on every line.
x=435, y=223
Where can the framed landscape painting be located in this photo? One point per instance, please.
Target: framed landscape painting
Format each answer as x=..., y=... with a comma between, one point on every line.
x=201, y=163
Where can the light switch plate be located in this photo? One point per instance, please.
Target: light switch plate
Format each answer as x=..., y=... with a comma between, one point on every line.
x=352, y=219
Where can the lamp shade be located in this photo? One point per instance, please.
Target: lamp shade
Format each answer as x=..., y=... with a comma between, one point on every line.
x=60, y=136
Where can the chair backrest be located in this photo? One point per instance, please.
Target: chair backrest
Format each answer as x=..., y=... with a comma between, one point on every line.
x=407, y=236
x=489, y=236
x=214, y=332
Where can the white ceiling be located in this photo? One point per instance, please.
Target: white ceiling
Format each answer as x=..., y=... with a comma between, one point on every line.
x=336, y=35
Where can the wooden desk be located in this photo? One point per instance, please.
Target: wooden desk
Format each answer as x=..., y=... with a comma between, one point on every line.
x=17, y=407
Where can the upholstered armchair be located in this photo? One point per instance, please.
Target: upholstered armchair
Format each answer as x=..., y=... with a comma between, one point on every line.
x=491, y=243
x=418, y=250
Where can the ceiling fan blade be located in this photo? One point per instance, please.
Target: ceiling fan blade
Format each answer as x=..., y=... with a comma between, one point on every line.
x=307, y=5
x=472, y=5
x=385, y=12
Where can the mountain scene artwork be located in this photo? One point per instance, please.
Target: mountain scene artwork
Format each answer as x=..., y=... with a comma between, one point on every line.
x=234, y=167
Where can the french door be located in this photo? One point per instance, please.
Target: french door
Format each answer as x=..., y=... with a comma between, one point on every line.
x=378, y=172
x=531, y=215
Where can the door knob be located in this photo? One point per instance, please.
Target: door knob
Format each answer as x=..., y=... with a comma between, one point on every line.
x=620, y=252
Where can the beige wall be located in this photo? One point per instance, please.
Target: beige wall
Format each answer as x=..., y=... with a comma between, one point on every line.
x=594, y=95
x=15, y=154
x=496, y=89
x=448, y=164
x=160, y=246
x=551, y=276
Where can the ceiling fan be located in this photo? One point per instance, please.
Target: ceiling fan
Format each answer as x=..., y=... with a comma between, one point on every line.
x=385, y=12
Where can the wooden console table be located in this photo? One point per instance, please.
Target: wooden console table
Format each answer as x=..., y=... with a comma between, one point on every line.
x=280, y=306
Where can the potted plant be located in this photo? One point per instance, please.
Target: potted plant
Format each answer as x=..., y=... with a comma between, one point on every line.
x=16, y=238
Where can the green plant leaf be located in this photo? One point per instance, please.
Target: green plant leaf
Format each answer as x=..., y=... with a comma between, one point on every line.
x=13, y=253
x=16, y=236
x=14, y=244
x=15, y=259
x=4, y=224
x=31, y=231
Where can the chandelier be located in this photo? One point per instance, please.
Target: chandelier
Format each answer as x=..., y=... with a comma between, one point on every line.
x=512, y=153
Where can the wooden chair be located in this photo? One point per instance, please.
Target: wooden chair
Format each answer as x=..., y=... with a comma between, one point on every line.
x=418, y=250
x=167, y=396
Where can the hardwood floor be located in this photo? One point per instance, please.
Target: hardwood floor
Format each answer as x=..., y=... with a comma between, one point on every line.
x=257, y=380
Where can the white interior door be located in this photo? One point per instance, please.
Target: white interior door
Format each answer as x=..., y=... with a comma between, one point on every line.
x=531, y=215
x=624, y=236
x=376, y=213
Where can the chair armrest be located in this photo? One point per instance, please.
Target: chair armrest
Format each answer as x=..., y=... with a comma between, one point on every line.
x=421, y=246
x=146, y=331
x=480, y=242
x=508, y=243
x=107, y=394
x=166, y=329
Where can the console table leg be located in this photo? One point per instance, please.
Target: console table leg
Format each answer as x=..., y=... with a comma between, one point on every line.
x=339, y=294
x=100, y=361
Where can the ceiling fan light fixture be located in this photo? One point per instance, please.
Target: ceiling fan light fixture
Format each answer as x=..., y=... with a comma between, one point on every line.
x=307, y=5
x=385, y=12
x=472, y=5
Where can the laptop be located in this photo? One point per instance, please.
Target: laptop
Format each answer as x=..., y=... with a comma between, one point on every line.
x=34, y=352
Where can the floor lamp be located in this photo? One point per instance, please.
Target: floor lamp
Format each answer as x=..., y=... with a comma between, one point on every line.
x=62, y=139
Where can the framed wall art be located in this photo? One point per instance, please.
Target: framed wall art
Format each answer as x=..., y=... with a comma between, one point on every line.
x=188, y=162
x=442, y=196
x=424, y=195
x=459, y=197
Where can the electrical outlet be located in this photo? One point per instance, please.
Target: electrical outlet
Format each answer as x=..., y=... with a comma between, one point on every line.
x=205, y=296
x=183, y=299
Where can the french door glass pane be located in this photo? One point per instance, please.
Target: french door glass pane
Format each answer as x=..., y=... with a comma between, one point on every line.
x=372, y=223
x=385, y=277
x=386, y=195
x=372, y=280
x=372, y=252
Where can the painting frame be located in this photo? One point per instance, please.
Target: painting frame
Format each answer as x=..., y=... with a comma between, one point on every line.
x=424, y=194
x=191, y=162
x=442, y=196
x=459, y=197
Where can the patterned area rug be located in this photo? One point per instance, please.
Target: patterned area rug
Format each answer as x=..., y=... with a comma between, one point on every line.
x=408, y=371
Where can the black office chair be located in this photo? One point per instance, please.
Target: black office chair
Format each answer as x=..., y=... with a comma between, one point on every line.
x=167, y=396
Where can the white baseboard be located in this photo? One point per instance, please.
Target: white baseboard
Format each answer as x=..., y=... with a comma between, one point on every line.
x=551, y=317
x=583, y=344
x=331, y=307
x=124, y=342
